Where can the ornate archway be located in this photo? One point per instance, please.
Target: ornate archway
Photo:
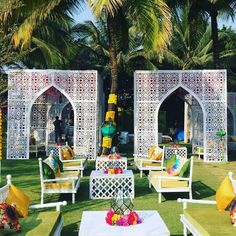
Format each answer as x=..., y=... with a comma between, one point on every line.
x=208, y=87
x=81, y=88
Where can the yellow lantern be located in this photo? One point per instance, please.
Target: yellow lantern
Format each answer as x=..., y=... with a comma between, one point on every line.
x=112, y=98
x=110, y=115
x=106, y=142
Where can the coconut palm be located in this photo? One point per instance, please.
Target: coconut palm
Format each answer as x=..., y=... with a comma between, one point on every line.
x=42, y=25
x=213, y=8
x=151, y=22
x=193, y=49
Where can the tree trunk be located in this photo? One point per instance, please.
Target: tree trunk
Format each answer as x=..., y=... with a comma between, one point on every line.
x=215, y=40
x=114, y=68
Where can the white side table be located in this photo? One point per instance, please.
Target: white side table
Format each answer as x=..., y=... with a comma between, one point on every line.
x=103, y=163
x=104, y=186
x=93, y=223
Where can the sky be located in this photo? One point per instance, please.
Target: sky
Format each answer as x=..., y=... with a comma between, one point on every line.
x=86, y=14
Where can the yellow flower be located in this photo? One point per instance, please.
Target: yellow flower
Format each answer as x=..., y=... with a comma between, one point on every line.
x=115, y=217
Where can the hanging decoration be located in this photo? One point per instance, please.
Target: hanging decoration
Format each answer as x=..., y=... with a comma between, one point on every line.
x=106, y=142
x=110, y=115
x=112, y=98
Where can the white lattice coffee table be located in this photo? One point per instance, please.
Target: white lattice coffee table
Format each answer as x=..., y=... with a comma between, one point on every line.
x=93, y=223
x=103, y=163
x=104, y=186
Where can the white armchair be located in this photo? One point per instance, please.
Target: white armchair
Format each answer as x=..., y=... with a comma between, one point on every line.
x=142, y=162
x=79, y=161
x=165, y=183
x=68, y=182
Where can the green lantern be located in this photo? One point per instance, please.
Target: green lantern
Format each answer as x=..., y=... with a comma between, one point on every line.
x=108, y=130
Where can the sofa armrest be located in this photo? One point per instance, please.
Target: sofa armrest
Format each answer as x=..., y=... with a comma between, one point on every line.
x=73, y=160
x=60, y=179
x=161, y=178
x=48, y=205
x=186, y=201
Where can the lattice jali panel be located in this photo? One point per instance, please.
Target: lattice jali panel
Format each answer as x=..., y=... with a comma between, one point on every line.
x=105, y=186
x=169, y=151
x=215, y=86
x=145, y=116
x=28, y=86
x=208, y=87
x=105, y=163
x=143, y=141
x=146, y=87
x=215, y=116
x=166, y=82
x=194, y=82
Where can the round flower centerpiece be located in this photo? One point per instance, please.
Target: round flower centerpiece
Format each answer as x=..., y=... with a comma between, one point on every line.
x=114, y=156
x=121, y=212
x=117, y=170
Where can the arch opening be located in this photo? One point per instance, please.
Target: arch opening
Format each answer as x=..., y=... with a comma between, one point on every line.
x=180, y=118
x=45, y=108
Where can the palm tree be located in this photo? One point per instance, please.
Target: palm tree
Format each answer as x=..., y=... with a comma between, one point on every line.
x=41, y=25
x=192, y=49
x=213, y=8
x=151, y=22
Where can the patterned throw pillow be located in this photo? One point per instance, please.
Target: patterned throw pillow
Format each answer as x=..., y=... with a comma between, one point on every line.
x=71, y=151
x=170, y=161
x=9, y=217
x=48, y=172
x=151, y=151
x=51, y=161
x=65, y=154
x=60, y=164
x=19, y=199
x=185, y=170
x=176, y=168
x=157, y=154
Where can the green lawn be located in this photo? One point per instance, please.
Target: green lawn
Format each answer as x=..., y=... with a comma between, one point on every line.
x=206, y=178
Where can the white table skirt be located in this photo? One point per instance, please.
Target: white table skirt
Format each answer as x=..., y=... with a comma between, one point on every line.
x=93, y=224
x=104, y=186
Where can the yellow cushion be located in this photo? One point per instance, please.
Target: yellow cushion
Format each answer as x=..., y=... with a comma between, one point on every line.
x=156, y=155
x=71, y=151
x=63, y=184
x=74, y=163
x=166, y=183
x=65, y=154
x=19, y=199
x=151, y=151
x=224, y=194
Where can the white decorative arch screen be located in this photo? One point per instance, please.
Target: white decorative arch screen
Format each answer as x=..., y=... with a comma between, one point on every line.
x=208, y=87
x=81, y=88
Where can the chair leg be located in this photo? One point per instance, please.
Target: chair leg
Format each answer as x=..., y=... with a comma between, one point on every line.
x=42, y=197
x=159, y=197
x=185, y=231
x=141, y=174
x=73, y=198
x=149, y=184
x=82, y=174
x=190, y=194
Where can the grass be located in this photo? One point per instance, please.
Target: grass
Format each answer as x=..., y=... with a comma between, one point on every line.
x=206, y=178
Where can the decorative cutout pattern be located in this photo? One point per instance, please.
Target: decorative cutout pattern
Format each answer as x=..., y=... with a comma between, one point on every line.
x=26, y=86
x=103, y=163
x=208, y=87
x=104, y=186
x=169, y=151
